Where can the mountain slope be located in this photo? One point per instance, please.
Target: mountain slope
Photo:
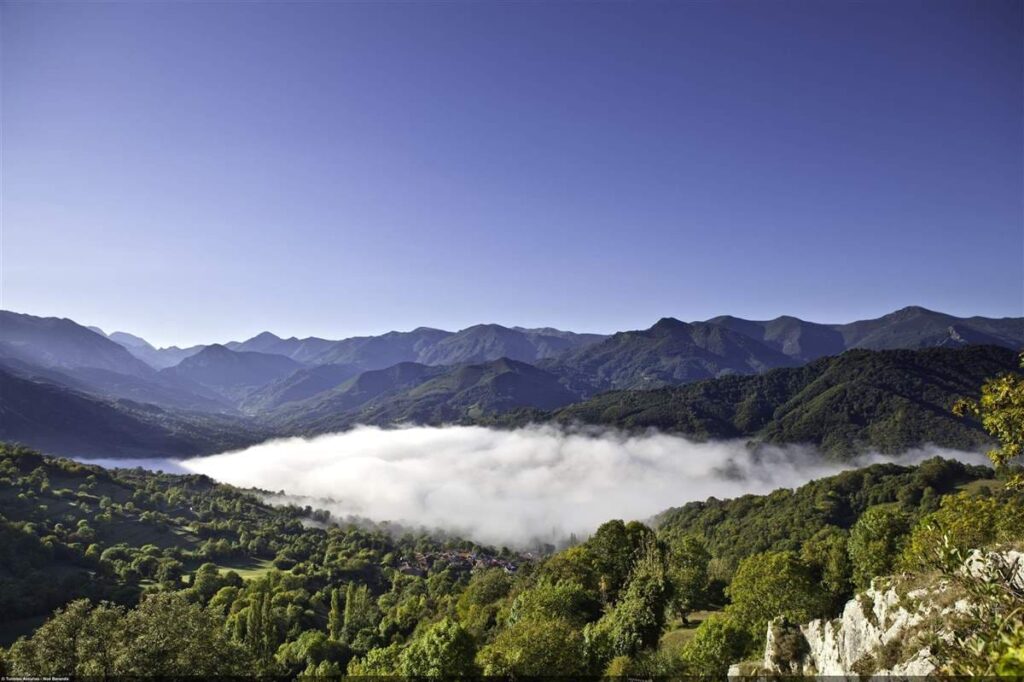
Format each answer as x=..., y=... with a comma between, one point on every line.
x=229, y=373
x=671, y=352
x=793, y=337
x=300, y=350
x=62, y=343
x=300, y=385
x=104, y=384
x=916, y=327
x=911, y=327
x=378, y=352
x=157, y=358
x=410, y=392
x=884, y=400
x=66, y=422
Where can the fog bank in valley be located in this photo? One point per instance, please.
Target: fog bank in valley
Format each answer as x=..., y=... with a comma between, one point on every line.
x=513, y=486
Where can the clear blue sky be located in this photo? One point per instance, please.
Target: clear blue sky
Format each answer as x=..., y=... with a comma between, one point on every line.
x=194, y=172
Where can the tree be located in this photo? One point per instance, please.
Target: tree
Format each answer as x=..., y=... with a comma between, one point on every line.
x=170, y=634
x=636, y=621
x=379, y=662
x=309, y=650
x=536, y=647
x=826, y=553
x=360, y=613
x=1001, y=411
x=335, y=619
x=165, y=633
x=718, y=642
x=445, y=649
x=566, y=601
x=773, y=584
x=964, y=522
x=478, y=605
x=875, y=542
x=688, y=560
x=612, y=550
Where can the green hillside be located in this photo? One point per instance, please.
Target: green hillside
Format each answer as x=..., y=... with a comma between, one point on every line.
x=883, y=400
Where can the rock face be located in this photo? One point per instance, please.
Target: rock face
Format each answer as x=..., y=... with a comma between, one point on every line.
x=876, y=634
x=889, y=629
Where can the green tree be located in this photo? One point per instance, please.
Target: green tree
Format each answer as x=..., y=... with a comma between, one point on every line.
x=875, y=543
x=964, y=522
x=336, y=617
x=1001, y=411
x=773, y=584
x=445, y=649
x=636, y=621
x=535, y=647
x=165, y=633
x=718, y=642
x=688, y=561
x=826, y=553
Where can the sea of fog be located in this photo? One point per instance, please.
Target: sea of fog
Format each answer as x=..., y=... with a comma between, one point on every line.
x=513, y=486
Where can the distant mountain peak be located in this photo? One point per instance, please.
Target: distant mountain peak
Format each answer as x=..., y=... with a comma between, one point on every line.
x=669, y=324
x=912, y=311
x=129, y=340
x=266, y=336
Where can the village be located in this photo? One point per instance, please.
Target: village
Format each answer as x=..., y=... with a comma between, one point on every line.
x=420, y=563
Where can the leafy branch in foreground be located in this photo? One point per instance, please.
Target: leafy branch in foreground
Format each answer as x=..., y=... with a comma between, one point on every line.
x=1000, y=409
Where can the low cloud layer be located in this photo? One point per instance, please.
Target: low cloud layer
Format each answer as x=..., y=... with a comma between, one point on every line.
x=515, y=486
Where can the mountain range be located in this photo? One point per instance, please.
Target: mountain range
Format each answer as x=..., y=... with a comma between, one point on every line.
x=723, y=377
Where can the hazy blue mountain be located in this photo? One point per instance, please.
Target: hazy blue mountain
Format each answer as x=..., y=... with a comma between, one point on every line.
x=551, y=342
x=480, y=343
x=485, y=342
x=104, y=384
x=257, y=344
x=62, y=343
x=66, y=422
x=162, y=358
x=411, y=392
x=795, y=338
x=129, y=340
x=232, y=374
x=157, y=358
x=912, y=327
x=300, y=385
x=671, y=352
x=300, y=350
x=386, y=350
x=916, y=327
x=337, y=404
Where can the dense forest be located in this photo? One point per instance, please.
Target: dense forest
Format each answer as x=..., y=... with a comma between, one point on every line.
x=180, y=574
x=886, y=401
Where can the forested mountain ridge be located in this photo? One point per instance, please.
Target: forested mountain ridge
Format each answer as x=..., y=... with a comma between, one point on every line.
x=669, y=353
x=884, y=400
x=413, y=393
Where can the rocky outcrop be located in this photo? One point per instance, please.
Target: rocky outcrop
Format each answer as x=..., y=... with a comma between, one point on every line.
x=889, y=629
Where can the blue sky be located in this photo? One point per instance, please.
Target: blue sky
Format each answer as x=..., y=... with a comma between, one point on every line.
x=194, y=172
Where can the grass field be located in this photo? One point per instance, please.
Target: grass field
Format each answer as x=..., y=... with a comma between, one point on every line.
x=975, y=487
x=678, y=634
x=248, y=569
